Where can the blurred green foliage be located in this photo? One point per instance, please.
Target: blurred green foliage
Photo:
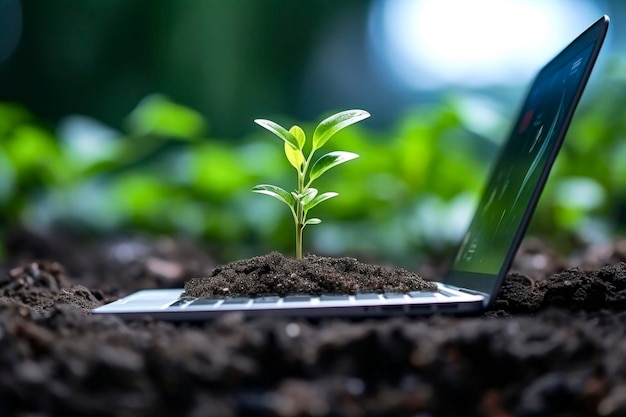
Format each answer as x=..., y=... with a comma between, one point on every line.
x=223, y=58
x=412, y=189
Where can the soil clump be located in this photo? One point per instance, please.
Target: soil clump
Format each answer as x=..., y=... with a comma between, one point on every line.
x=275, y=274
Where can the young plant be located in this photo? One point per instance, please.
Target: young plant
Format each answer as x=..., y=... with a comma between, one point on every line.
x=305, y=197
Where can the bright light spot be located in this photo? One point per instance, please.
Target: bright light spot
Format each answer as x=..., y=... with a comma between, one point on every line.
x=430, y=43
x=481, y=116
x=292, y=330
x=88, y=140
x=440, y=221
x=580, y=193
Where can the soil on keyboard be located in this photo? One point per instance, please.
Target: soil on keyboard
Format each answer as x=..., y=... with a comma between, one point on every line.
x=275, y=274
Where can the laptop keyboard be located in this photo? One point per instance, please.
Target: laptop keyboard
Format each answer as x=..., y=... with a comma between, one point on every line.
x=393, y=296
x=203, y=302
x=297, y=299
x=265, y=300
x=367, y=297
x=323, y=299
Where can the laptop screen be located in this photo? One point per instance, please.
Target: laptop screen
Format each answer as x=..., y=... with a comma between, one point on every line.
x=519, y=175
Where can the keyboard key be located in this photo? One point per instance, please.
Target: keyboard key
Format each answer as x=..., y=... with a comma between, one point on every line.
x=393, y=296
x=179, y=303
x=265, y=300
x=296, y=298
x=466, y=291
x=234, y=301
x=335, y=298
x=421, y=294
x=204, y=302
x=367, y=296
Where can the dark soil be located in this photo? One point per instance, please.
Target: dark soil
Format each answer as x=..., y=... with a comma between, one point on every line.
x=275, y=274
x=553, y=345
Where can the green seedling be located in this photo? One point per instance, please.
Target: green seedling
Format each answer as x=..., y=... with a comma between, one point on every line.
x=305, y=197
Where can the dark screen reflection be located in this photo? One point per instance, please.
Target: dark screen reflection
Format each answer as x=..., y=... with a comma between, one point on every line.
x=517, y=173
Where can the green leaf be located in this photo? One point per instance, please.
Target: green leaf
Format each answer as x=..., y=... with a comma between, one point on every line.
x=139, y=196
x=206, y=165
x=279, y=131
x=158, y=115
x=319, y=199
x=314, y=220
x=275, y=192
x=299, y=134
x=308, y=196
x=334, y=124
x=330, y=160
x=294, y=156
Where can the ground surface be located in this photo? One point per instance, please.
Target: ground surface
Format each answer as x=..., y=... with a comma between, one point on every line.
x=553, y=345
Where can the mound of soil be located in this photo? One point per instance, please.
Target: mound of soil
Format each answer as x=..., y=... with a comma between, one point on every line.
x=275, y=274
x=553, y=345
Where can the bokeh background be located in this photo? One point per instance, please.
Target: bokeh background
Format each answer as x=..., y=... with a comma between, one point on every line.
x=126, y=117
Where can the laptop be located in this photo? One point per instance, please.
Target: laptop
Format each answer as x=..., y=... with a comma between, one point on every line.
x=492, y=239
